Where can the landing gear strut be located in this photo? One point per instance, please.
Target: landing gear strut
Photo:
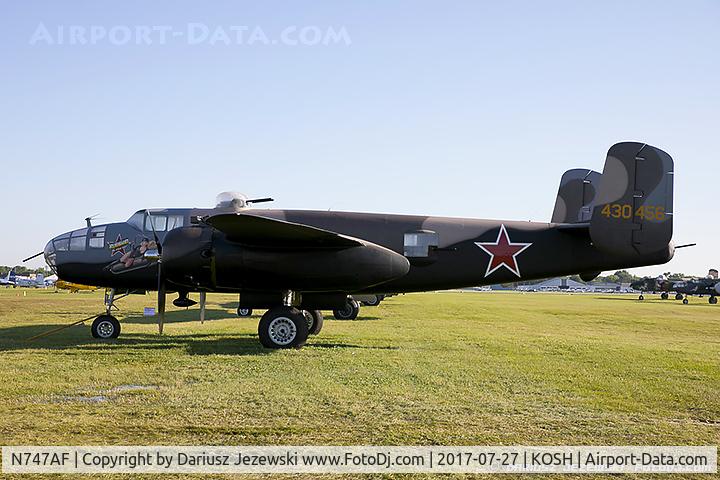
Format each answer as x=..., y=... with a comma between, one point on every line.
x=107, y=326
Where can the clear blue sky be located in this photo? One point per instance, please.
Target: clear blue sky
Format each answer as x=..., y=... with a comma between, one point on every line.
x=445, y=108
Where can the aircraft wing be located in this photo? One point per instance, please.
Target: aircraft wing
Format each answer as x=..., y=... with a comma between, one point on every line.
x=257, y=231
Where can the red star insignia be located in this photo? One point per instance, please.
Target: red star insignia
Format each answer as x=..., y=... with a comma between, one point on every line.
x=118, y=246
x=503, y=252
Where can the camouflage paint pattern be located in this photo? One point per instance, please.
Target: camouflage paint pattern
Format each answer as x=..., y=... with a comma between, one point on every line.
x=223, y=256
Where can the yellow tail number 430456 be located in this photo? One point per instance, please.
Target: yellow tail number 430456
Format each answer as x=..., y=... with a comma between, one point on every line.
x=625, y=211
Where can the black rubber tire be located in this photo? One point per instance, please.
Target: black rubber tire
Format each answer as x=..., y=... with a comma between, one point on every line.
x=105, y=327
x=315, y=321
x=283, y=327
x=641, y=297
x=373, y=303
x=244, y=312
x=349, y=312
x=664, y=295
x=712, y=300
x=685, y=301
x=678, y=296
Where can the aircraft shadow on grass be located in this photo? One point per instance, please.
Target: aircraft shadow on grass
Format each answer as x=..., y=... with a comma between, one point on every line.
x=78, y=337
x=177, y=316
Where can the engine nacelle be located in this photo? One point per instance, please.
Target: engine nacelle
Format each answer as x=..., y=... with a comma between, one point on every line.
x=198, y=256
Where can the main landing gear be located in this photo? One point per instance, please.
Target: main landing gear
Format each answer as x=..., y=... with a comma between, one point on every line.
x=283, y=327
x=712, y=300
x=288, y=327
x=107, y=326
x=349, y=311
x=664, y=295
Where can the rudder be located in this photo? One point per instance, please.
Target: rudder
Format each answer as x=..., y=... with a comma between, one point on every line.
x=634, y=206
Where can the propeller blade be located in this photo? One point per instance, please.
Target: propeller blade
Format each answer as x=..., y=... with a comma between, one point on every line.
x=161, y=299
x=155, y=236
x=160, y=279
x=686, y=245
x=34, y=256
x=203, y=297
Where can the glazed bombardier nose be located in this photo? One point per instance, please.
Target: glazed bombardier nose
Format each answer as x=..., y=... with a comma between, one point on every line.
x=49, y=255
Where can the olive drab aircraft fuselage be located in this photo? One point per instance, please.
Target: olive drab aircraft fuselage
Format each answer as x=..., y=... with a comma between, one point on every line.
x=296, y=262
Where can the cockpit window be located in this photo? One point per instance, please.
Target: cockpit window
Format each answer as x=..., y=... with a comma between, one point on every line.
x=137, y=220
x=77, y=243
x=61, y=244
x=78, y=238
x=97, y=237
x=163, y=223
x=156, y=223
x=174, y=221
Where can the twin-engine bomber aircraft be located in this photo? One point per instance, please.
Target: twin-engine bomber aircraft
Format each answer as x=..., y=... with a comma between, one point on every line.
x=296, y=263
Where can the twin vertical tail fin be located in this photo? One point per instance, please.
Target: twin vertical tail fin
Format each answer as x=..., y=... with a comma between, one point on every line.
x=10, y=277
x=576, y=196
x=633, y=208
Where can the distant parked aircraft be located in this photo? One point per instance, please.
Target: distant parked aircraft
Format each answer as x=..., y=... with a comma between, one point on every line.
x=709, y=286
x=9, y=279
x=73, y=287
x=37, y=282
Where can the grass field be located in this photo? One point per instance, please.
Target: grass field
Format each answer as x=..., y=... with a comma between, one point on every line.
x=445, y=368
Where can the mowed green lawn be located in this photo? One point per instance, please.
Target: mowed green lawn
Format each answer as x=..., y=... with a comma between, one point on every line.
x=443, y=368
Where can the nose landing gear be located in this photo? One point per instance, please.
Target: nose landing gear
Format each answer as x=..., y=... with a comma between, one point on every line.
x=106, y=326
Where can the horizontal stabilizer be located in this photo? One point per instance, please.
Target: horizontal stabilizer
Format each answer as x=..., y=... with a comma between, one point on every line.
x=257, y=231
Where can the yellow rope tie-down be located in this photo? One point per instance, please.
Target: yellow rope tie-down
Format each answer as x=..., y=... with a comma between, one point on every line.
x=55, y=330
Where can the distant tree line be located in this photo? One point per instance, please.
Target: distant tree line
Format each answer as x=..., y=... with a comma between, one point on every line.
x=24, y=271
x=621, y=276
